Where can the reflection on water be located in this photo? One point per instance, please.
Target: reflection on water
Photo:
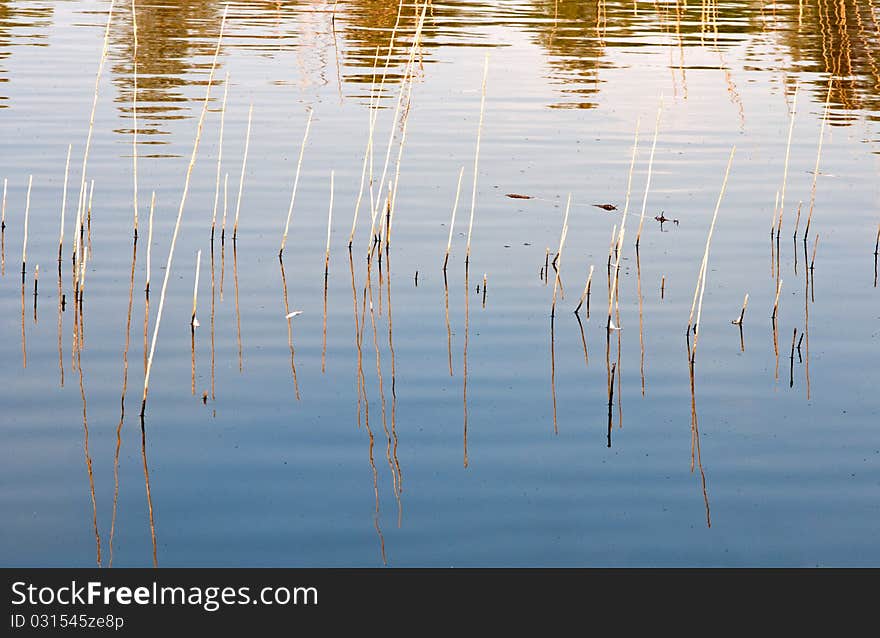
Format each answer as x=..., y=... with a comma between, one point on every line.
x=334, y=42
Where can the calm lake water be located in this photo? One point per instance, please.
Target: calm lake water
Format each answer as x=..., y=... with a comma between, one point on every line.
x=404, y=418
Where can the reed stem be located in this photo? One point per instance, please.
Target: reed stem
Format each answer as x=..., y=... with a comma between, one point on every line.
x=302, y=151
x=776, y=301
x=134, y=134
x=477, y=161
x=180, y=210
x=193, y=321
x=329, y=225
x=818, y=156
x=220, y=154
x=247, y=143
x=452, y=221
x=27, y=209
x=650, y=173
x=742, y=313
x=64, y=199
x=559, y=255
x=586, y=292
x=701, y=281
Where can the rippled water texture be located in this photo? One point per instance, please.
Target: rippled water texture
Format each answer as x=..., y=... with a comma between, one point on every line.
x=406, y=416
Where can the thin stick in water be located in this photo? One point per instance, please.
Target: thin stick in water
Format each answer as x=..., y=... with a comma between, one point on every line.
x=452, y=221
x=302, y=151
x=477, y=158
x=64, y=200
x=650, y=173
x=586, y=292
x=27, y=209
x=220, y=155
x=739, y=320
x=776, y=301
x=192, y=162
x=247, y=144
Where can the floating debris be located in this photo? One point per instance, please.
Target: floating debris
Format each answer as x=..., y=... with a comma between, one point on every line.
x=518, y=196
x=606, y=206
x=293, y=314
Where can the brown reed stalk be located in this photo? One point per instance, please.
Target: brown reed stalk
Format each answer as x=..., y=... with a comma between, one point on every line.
x=818, y=156
x=64, y=200
x=225, y=209
x=150, y=242
x=776, y=301
x=650, y=173
x=247, y=144
x=484, y=290
x=787, y=156
x=192, y=162
x=663, y=287
x=797, y=219
x=813, y=258
x=701, y=282
x=88, y=220
x=477, y=159
x=302, y=151
x=791, y=359
x=586, y=292
x=452, y=221
x=558, y=269
x=220, y=155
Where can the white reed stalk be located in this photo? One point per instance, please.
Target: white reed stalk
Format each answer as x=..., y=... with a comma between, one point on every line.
x=189, y=169
x=63, y=200
x=85, y=162
x=818, y=155
x=329, y=225
x=477, y=158
x=302, y=151
x=27, y=209
x=225, y=203
x=452, y=222
x=220, y=154
x=150, y=238
x=368, y=151
x=650, y=173
x=701, y=283
x=562, y=237
x=788, y=153
x=193, y=321
x=247, y=143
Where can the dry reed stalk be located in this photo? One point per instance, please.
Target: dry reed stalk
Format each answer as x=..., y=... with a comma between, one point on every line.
x=586, y=292
x=87, y=222
x=612, y=289
x=787, y=155
x=663, y=287
x=396, y=120
x=225, y=207
x=776, y=301
x=134, y=119
x=247, y=143
x=877, y=243
x=452, y=221
x=27, y=210
x=797, y=220
x=477, y=162
x=739, y=321
x=484, y=290
x=791, y=360
x=180, y=210
x=390, y=218
x=220, y=155
x=562, y=237
x=150, y=241
x=611, y=250
x=3, y=232
x=193, y=321
x=813, y=258
x=329, y=226
x=701, y=281
x=85, y=162
x=368, y=152
x=632, y=164
x=818, y=156
x=64, y=200
x=650, y=173
x=302, y=151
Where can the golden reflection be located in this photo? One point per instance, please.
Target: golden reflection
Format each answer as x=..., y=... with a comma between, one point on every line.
x=467, y=309
x=88, y=459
